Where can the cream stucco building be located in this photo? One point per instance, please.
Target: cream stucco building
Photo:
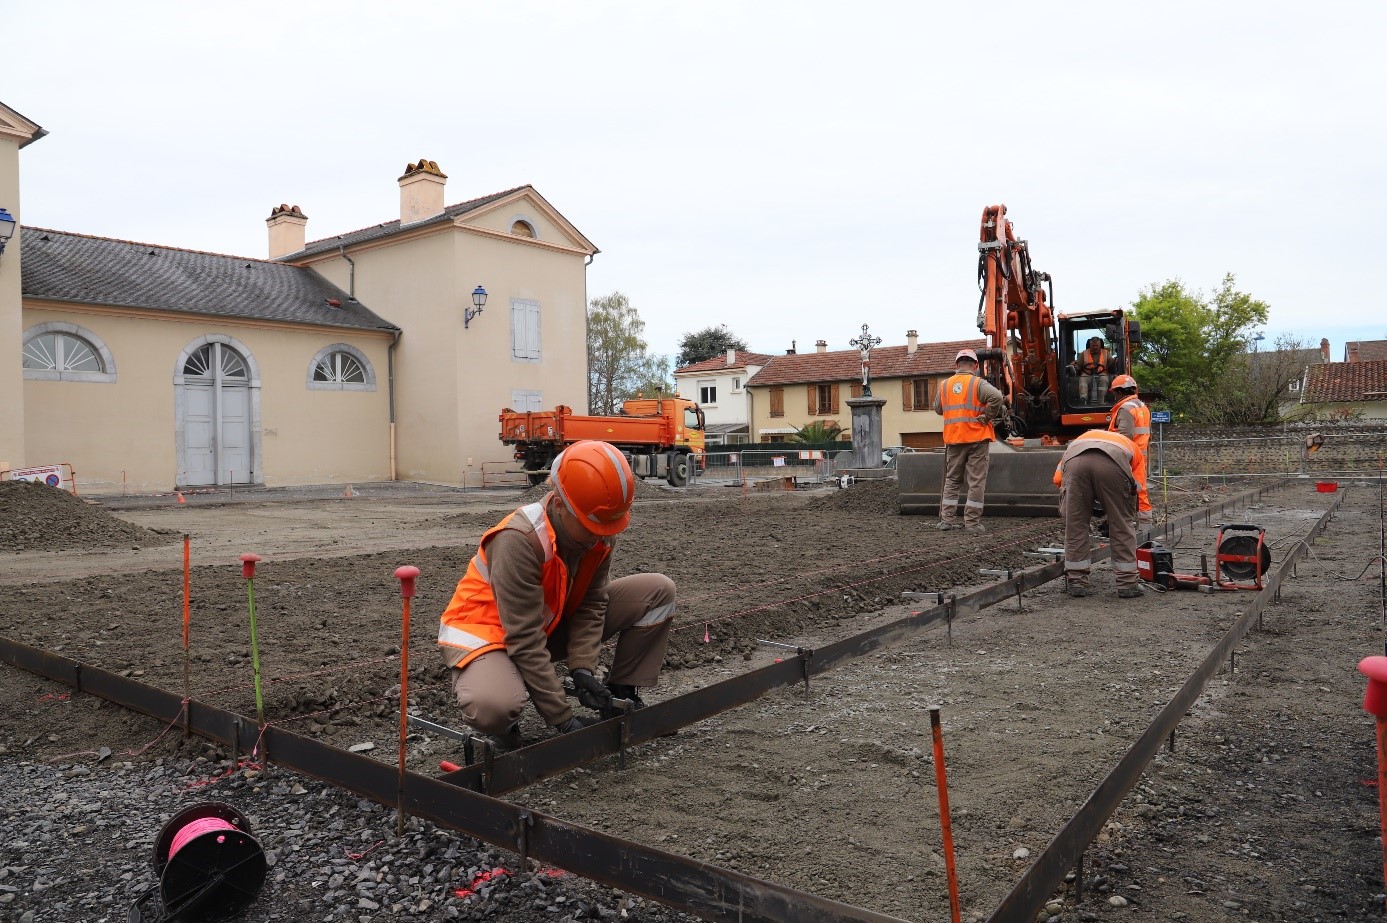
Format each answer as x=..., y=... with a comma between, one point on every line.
x=347, y=359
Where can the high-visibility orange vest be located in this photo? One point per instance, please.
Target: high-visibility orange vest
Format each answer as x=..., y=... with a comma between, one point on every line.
x=1096, y=439
x=1090, y=364
x=1141, y=435
x=471, y=625
x=963, y=410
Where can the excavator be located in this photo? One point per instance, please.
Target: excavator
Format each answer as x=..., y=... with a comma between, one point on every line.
x=1053, y=370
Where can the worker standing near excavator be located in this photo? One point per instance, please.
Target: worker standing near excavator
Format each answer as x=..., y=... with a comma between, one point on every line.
x=537, y=591
x=1102, y=466
x=968, y=405
x=1132, y=418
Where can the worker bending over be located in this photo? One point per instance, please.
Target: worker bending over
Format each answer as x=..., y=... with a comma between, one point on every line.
x=1132, y=418
x=537, y=592
x=968, y=405
x=1101, y=466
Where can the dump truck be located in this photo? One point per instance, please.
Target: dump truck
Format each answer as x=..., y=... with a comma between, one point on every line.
x=1053, y=370
x=662, y=437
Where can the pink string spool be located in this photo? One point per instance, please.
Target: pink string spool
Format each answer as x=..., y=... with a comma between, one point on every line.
x=196, y=829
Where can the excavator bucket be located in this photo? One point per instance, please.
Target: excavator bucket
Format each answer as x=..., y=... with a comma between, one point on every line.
x=1019, y=482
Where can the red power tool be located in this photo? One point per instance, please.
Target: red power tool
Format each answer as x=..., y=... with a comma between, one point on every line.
x=1156, y=564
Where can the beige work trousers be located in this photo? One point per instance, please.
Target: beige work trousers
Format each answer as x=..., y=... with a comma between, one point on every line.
x=640, y=612
x=1094, y=388
x=1086, y=476
x=964, y=461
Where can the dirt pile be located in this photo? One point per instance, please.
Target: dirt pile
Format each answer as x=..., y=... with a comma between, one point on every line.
x=874, y=495
x=35, y=517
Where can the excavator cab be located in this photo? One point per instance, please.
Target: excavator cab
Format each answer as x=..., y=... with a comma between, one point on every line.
x=1094, y=348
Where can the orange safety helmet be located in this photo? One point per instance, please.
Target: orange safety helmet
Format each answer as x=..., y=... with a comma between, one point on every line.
x=594, y=480
x=1123, y=381
x=966, y=354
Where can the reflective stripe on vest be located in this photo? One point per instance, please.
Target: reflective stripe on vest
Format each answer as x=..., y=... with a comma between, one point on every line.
x=471, y=624
x=1141, y=418
x=1094, y=439
x=962, y=409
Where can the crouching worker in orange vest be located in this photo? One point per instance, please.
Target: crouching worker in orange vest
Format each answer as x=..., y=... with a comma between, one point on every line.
x=1101, y=466
x=537, y=591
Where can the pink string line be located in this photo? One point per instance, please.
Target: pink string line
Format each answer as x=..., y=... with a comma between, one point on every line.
x=182, y=710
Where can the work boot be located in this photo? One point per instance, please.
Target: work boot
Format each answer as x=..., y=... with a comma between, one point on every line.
x=1078, y=589
x=1130, y=592
x=944, y=526
x=975, y=527
x=507, y=740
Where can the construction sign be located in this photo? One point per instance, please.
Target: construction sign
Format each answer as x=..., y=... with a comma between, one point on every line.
x=52, y=475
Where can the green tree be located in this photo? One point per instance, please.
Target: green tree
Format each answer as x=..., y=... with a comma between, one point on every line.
x=820, y=432
x=618, y=364
x=705, y=344
x=1189, y=339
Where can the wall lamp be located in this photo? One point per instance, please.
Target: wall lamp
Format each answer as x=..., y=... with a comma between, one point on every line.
x=478, y=299
x=7, y=228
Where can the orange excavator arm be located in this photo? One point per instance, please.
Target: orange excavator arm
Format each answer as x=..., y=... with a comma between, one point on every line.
x=1014, y=314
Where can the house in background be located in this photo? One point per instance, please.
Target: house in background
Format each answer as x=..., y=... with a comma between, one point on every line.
x=1365, y=350
x=719, y=387
x=352, y=358
x=1345, y=391
x=797, y=389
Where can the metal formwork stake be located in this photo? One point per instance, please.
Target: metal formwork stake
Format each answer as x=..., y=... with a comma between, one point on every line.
x=1170, y=743
x=522, y=838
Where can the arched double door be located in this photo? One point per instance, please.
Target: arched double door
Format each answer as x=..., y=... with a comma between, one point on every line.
x=218, y=409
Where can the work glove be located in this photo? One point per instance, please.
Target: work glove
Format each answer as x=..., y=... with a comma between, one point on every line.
x=591, y=693
x=576, y=723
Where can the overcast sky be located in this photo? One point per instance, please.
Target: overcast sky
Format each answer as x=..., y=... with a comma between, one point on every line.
x=790, y=169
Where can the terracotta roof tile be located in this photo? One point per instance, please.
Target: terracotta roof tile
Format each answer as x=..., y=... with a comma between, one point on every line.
x=719, y=362
x=1345, y=381
x=846, y=364
x=392, y=227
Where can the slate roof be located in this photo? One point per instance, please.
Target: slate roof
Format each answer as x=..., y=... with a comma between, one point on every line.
x=846, y=364
x=1368, y=350
x=76, y=268
x=719, y=362
x=393, y=227
x=1345, y=381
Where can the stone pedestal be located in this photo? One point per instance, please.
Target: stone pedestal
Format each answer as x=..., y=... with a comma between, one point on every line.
x=866, y=431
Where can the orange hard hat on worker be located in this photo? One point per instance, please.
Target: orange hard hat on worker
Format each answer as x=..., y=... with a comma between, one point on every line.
x=1123, y=381
x=966, y=354
x=594, y=480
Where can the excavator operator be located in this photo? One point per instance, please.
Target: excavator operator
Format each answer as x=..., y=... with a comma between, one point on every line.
x=1132, y=418
x=537, y=591
x=1094, y=367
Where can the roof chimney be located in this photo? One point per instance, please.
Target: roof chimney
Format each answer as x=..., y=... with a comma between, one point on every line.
x=791, y=350
x=288, y=230
x=1324, y=349
x=821, y=346
x=912, y=342
x=1351, y=351
x=421, y=191
x=731, y=356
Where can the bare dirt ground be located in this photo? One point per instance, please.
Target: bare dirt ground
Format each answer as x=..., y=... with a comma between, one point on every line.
x=1260, y=813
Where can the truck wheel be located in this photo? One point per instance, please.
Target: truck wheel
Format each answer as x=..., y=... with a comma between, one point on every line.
x=536, y=477
x=680, y=469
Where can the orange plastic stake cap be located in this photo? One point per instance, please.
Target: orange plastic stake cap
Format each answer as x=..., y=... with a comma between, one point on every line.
x=406, y=577
x=248, y=565
x=1375, y=699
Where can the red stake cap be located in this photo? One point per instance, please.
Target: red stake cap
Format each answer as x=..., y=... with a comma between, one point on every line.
x=1375, y=698
x=248, y=565
x=406, y=577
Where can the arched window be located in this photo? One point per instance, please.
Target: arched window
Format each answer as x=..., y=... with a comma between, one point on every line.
x=200, y=363
x=66, y=352
x=522, y=228
x=341, y=367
